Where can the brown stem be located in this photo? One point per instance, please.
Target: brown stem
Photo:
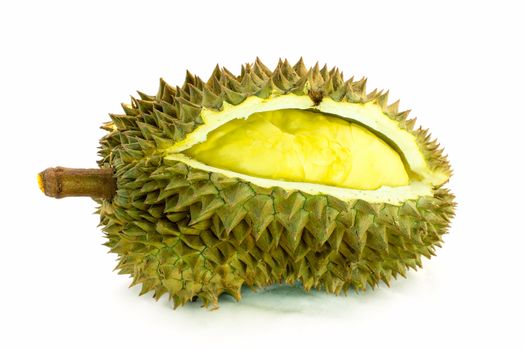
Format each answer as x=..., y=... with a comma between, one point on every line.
x=62, y=182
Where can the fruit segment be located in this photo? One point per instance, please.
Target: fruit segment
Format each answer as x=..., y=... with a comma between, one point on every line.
x=303, y=146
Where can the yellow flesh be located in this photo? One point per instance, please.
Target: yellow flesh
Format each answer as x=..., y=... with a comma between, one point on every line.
x=40, y=182
x=302, y=146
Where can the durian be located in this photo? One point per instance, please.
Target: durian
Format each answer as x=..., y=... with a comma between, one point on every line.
x=287, y=176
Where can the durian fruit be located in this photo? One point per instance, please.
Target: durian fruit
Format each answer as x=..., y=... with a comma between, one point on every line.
x=287, y=176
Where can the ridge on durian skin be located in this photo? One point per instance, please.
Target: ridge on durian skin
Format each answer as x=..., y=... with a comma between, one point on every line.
x=187, y=231
x=304, y=146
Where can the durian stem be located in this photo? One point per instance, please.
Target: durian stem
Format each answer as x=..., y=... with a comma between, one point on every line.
x=62, y=182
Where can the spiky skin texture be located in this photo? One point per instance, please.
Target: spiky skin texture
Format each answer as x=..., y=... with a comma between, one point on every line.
x=188, y=232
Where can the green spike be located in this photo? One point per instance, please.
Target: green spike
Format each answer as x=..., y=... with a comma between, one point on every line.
x=188, y=110
x=233, y=97
x=211, y=100
x=300, y=68
x=262, y=69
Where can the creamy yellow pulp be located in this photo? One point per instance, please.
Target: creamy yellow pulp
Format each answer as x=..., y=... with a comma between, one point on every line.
x=303, y=146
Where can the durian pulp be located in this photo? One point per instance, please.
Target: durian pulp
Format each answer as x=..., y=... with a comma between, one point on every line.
x=303, y=146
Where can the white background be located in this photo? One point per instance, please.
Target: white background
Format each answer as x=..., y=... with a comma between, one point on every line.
x=65, y=65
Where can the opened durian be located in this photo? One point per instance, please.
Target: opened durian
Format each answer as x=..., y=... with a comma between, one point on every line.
x=284, y=176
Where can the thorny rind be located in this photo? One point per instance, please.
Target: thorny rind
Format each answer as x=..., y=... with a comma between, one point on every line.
x=188, y=232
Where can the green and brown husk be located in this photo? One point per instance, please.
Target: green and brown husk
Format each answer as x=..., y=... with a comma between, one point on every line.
x=190, y=233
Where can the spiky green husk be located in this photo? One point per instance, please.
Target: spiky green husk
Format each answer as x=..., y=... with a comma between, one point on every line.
x=188, y=232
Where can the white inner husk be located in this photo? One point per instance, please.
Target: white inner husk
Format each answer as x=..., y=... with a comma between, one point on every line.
x=368, y=114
